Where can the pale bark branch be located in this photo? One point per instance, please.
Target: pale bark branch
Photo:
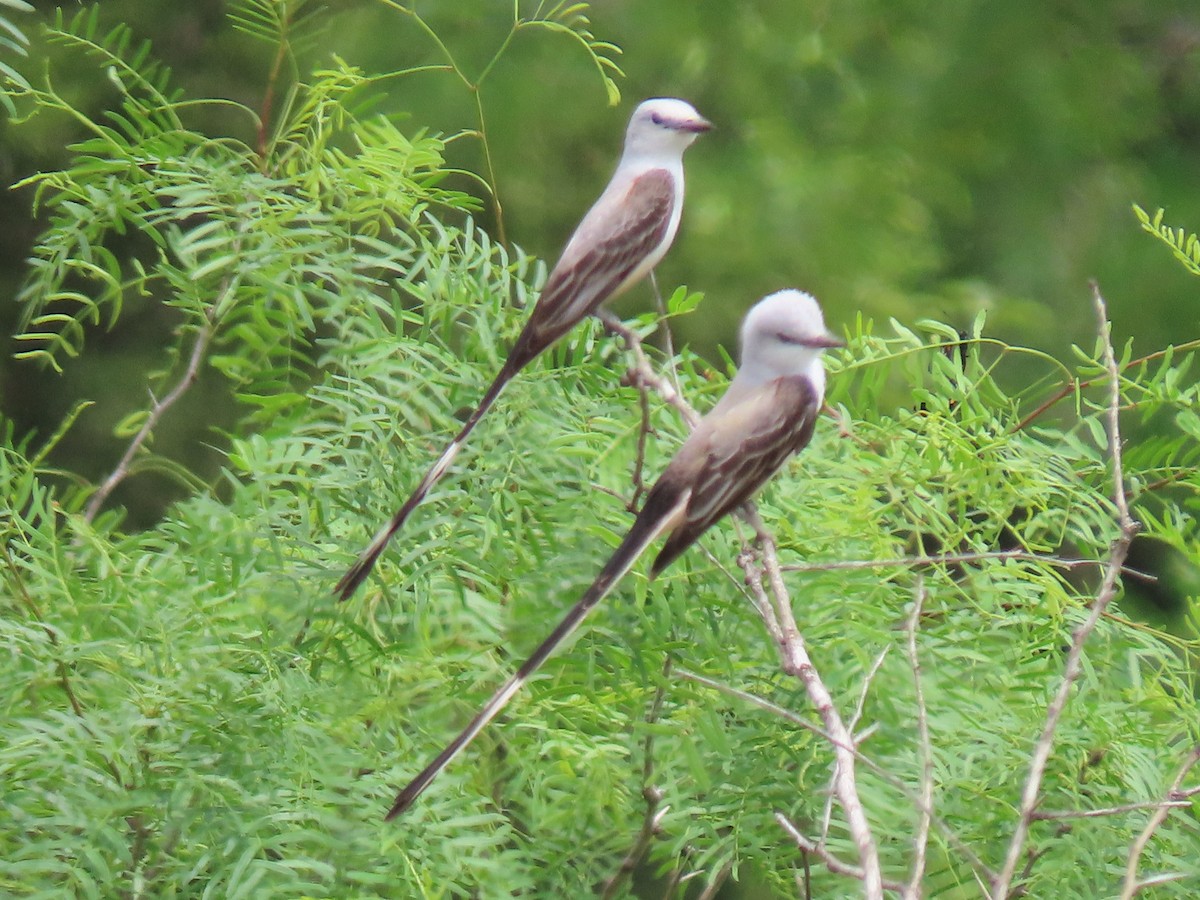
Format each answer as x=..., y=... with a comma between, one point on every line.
x=1127, y=530
x=832, y=863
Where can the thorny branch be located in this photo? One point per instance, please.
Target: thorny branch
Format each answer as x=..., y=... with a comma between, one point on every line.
x=642, y=374
x=774, y=605
x=639, y=464
x=1128, y=529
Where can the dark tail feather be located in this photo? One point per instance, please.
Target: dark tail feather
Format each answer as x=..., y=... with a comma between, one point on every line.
x=366, y=561
x=643, y=532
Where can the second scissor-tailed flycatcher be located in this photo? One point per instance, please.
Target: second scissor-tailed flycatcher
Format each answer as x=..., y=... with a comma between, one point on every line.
x=765, y=416
x=622, y=237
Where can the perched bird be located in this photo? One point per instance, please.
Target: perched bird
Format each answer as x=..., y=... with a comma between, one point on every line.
x=622, y=237
x=765, y=416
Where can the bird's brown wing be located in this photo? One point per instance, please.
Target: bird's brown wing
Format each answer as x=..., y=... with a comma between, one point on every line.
x=731, y=455
x=610, y=243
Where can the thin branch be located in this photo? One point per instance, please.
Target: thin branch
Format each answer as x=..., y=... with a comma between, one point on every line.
x=1074, y=385
x=639, y=463
x=1131, y=886
x=643, y=374
x=851, y=729
x=665, y=325
x=921, y=839
x=268, y=101
x=1177, y=800
x=1057, y=562
x=1065, y=390
x=755, y=700
x=1174, y=478
x=497, y=207
x=1119, y=550
x=833, y=863
x=866, y=689
x=156, y=412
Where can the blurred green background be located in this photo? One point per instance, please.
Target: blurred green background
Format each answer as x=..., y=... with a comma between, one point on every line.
x=899, y=159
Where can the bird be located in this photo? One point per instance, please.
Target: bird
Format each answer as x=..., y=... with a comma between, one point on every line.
x=767, y=413
x=622, y=237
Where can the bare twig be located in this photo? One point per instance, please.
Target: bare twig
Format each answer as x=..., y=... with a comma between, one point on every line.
x=857, y=739
x=865, y=690
x=157, y=409
x=833, y=863
x=643, y=373
x=1177, y=800
x=1130, y=886
x=925, y=807
x=1057, y=562
x=665, y=326
x=639, y=464
x=774, y=604
x=1119, y=550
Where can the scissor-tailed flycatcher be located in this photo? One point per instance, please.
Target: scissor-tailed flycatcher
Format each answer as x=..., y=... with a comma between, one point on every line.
x=622, y=237
x=766, y=415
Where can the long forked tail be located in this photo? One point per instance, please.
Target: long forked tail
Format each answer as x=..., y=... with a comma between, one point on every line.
x=366, y=560
x=640, y=536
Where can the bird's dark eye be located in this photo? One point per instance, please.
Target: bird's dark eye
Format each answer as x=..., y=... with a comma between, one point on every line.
x=785, y=338
x=657, y=119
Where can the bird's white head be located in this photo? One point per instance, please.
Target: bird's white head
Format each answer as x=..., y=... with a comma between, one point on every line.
x=663, y=126
x=784, y=334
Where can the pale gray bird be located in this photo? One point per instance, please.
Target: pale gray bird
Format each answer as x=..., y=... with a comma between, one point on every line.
x=765, y=416
x=622, y=237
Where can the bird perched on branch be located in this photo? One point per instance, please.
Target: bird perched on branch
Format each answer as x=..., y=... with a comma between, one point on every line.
x=766, y=415
x=622, y=237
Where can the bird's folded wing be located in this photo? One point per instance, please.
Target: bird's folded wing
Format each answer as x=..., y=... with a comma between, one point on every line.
x=733, y=452
x=617, y=234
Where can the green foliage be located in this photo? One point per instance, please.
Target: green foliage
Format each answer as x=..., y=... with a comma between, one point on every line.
x=12, y=40
x=1185, y=246
x=189, y=712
